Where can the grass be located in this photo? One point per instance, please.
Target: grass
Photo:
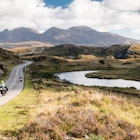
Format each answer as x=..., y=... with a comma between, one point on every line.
x=82, y=112
x=112, y=69
x=15, y=113
x=129, y=74
x=51, y=109
x=65, y=110
x=61, y=111
x=135, y=48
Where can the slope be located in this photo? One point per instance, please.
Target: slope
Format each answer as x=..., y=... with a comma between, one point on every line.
x=78, y=35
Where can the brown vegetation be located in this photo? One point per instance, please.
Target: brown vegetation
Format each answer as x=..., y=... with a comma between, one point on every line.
x=82, y=114
x=68, y=112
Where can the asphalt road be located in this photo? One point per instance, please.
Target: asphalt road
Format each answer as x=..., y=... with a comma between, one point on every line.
x=14, y=84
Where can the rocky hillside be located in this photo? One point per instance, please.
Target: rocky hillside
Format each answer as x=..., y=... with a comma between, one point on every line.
x=67, y=50
x=132, y=51
x=6, y=55
x=6, y=59
x=79, y=35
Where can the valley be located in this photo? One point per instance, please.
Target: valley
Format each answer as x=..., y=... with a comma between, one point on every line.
x=50, y=108
x=70, y=70
x=56, y=60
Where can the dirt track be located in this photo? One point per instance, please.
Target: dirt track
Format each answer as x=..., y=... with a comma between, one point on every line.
x=14, y=85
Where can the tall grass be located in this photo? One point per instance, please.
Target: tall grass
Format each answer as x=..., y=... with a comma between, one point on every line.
x=83, y=113
x=15, y=113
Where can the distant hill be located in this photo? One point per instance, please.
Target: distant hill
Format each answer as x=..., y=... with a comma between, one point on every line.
x=78, y=35
x=6, y=55
x=68, y=50
x=132, y=51
x=24, y=44
x=116, y=51
x=6, y=59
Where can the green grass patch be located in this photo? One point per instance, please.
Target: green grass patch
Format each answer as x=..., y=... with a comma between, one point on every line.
x=129, y=74
x=15, y=113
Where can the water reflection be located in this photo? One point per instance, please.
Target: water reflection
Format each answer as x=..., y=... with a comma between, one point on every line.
x=78, y=77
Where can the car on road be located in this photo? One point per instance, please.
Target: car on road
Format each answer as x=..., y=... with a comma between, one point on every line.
x=20, y=79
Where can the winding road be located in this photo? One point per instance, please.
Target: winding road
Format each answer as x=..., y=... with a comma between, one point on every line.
x=13, y=83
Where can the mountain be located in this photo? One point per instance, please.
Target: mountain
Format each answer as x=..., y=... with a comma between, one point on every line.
x=78, y=35
x=18, y=35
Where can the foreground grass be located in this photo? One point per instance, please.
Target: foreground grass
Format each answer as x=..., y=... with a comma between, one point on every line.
x=63, y=111
x=73, y=112
x=15, y=113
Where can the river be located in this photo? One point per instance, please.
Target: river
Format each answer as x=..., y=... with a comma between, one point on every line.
x=78, y=77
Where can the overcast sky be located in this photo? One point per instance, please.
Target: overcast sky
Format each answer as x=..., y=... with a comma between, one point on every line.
x=117, y=16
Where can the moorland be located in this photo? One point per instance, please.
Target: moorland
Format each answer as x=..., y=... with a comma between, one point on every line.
x=49, y=108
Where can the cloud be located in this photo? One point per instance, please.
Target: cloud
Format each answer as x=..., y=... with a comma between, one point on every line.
x=117, y=16
x=123, y=5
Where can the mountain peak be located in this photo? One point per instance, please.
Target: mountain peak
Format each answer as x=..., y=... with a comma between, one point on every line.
x=54, y=29
x=25, y=29
x=84, y=28
x=77, y=35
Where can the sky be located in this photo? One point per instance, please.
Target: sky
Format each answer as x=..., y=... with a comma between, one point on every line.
x=55, y=3
x=116, y=16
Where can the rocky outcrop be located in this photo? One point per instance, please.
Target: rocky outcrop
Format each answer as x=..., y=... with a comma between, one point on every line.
x=128, y=51
x=3, y=70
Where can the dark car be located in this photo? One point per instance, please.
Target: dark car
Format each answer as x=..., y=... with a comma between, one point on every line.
x=20, y=79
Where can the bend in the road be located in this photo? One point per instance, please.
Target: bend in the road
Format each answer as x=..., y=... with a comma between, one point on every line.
x=13, y=83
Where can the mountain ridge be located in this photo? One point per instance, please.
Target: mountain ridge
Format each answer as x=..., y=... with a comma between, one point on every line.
x=77, y=35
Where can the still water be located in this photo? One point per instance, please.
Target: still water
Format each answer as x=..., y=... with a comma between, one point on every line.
x=78, y=77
